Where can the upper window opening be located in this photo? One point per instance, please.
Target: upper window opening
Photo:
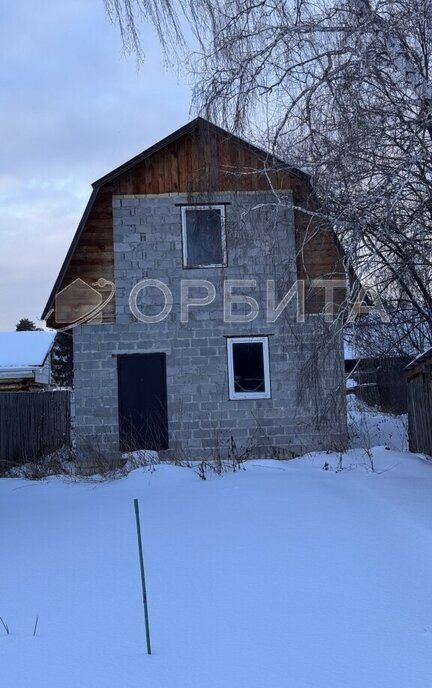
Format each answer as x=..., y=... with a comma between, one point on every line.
x=203, y=229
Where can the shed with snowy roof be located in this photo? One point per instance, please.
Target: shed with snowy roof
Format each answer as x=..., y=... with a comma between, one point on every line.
x=25, y=360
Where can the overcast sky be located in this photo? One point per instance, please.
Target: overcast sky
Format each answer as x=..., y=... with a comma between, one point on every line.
x=72, y=107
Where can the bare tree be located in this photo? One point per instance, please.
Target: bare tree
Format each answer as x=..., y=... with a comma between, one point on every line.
x=340, y=88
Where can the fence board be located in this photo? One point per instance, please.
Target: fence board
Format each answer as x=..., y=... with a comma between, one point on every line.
x=382, y=382
x=32, y=425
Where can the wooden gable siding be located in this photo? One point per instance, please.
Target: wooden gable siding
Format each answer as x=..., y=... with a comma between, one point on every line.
x=319, y=255
x=200, y=164
x=202, y=161
x=93, y=257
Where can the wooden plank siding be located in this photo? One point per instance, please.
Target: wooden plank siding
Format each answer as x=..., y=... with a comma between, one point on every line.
x=420, y=415
x=205, y=160
x=24, y=384
x=93, y=257
x=188, y=166
x=318, y=252
x=419, y=383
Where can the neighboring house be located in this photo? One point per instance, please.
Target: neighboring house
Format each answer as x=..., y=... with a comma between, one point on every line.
x=25, y=361
x=419, y=381
x=202, y=381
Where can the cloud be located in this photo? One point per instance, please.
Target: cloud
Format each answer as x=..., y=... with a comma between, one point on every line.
x=72, y=107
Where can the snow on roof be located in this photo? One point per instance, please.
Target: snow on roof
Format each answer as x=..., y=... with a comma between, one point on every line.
x=25, y=349
x=420, y=358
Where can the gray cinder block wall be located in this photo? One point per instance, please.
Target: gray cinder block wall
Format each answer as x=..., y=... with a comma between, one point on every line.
x=306, y=410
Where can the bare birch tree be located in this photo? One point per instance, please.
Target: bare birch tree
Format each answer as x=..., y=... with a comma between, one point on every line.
x=340, y=88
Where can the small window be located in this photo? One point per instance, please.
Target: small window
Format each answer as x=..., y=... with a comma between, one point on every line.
x=248, y=368
x=203, y=229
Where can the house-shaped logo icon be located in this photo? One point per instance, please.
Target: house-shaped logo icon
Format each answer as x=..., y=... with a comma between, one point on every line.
x=78, y=302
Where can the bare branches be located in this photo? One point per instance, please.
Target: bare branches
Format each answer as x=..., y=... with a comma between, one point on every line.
x=163, y=14
x=340, y=88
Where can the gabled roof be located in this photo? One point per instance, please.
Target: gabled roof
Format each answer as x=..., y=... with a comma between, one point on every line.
x=191, y=127
x=20, y=350
x=188, y=129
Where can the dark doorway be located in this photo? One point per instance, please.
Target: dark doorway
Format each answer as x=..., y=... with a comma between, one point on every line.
x=142, y=398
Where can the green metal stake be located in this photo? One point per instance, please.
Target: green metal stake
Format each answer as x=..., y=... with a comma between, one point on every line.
x=142, y=576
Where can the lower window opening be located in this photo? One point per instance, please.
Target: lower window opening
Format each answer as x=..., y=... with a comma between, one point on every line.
x=248, y=368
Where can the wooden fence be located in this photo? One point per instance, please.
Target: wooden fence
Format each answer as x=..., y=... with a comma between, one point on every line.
x=381, y=382
x=420, y=416
x=33, y=425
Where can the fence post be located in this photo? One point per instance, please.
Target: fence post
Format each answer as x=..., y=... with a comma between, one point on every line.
x=143, y=583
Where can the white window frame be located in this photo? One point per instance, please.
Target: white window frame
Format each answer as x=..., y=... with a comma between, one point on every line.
x=266, y=361
x=184, y=210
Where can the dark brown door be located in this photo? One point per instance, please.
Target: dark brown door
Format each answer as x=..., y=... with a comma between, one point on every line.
x=142, y=399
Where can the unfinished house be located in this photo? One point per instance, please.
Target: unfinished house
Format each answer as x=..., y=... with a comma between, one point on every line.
x=184, y=290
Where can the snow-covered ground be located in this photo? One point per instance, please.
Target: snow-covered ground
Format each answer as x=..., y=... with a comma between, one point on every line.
x=369, y=427
x=282, y=574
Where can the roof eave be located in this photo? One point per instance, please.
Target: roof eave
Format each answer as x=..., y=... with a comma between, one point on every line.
x=421, y=358
x=71, y=251
x=15, y=373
